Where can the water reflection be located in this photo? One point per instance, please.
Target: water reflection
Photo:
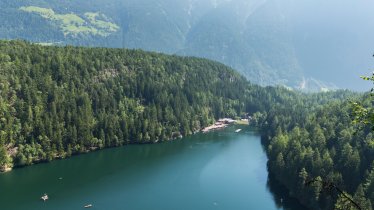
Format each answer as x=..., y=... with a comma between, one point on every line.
x=221, y=170
x=281, y=197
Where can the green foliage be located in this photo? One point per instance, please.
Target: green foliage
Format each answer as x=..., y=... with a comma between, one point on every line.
x=181, y=27
x=3, y=156
x=313, y=137
x=344, y=203
x=263, y=40
x=72, y=24
x=59, y=101
x=364, y=111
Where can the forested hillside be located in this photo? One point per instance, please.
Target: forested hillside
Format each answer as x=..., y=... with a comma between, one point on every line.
x=271, y=42
x=315, y=149
x=58, y=101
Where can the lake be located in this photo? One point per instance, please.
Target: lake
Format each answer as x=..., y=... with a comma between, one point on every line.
x=220, y=170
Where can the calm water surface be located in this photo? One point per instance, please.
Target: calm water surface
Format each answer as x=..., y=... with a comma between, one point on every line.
x=220, y=170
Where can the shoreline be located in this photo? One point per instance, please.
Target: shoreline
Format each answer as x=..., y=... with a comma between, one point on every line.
x=220, y=124
x=6, y=169
x=214, y=127
x=223, y=123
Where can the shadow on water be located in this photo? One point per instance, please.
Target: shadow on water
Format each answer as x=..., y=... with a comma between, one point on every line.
x=216, y=170
x=281, y=196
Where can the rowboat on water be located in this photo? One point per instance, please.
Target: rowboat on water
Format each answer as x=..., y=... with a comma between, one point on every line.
x=44, y=197
x=88, y=206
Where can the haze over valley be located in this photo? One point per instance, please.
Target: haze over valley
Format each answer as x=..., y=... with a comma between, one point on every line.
x=212, y=104
x=308, y=45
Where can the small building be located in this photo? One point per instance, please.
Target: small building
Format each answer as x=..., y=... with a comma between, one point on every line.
x=226, y=120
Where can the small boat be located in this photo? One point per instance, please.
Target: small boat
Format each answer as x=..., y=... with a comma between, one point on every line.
x=88, y=206
x=44, y=197
x=238, y=130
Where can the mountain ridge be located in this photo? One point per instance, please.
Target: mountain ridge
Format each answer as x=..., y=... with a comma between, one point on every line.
x=271, y=42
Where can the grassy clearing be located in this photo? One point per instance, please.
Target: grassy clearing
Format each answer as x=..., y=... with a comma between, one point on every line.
x=101, y=21
x=242, y=122
x=72, y=24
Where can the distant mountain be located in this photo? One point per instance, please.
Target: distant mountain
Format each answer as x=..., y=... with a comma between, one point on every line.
x=271, y=42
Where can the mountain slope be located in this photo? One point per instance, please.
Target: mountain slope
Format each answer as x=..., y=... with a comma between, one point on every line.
x=58, y=101
x=269, y=41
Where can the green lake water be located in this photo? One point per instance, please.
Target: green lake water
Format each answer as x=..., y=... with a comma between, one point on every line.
x=220, y=170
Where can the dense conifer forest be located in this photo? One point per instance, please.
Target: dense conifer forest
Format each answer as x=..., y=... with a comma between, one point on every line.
x=60, y=101
x=315, y=149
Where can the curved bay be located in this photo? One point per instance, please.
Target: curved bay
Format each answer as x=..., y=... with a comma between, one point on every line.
x=220, y=170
